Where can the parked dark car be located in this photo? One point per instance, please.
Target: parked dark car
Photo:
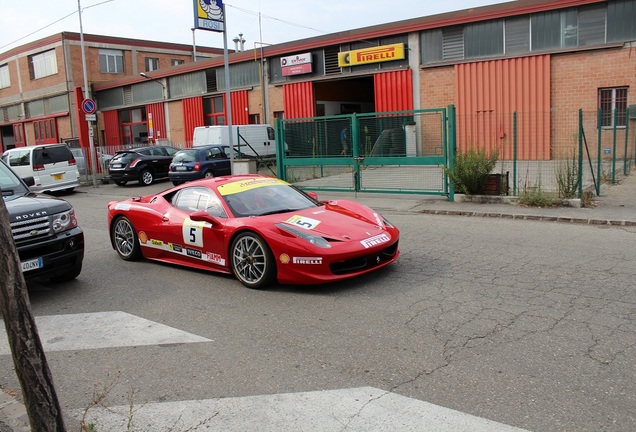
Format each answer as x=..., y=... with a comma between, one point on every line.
x=143, y=164
x=199, y=162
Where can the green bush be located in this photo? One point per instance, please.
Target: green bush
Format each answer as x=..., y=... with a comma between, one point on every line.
x=535, y=197
x=471, y=170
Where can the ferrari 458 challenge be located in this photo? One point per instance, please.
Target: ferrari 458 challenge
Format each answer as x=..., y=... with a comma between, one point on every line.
x=260, y=228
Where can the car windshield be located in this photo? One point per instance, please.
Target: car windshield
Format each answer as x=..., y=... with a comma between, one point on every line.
x=185, y=156
x=261, y=197
x=9, y=182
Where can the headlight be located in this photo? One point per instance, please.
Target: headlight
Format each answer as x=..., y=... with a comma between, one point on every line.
x=64, y=221
x=311, y=238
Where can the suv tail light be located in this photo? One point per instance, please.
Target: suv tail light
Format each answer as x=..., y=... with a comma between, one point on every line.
x=197, y=167
x=72, y=162
x=38, y=167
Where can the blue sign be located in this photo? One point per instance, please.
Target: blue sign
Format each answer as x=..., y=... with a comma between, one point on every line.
x=209, y=15
x=606, y=150
x=89, y=106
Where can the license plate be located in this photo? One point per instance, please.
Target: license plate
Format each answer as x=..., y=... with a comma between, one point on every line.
x=32, y=264
x=58, y=176
x=181, y=168
x=116, y=165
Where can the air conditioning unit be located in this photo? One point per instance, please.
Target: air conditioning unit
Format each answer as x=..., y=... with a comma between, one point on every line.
x=632, y=112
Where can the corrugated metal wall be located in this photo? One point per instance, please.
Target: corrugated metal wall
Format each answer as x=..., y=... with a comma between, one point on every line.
x=240, y=109
x=112, y=131
x=299, y=100
x=158, y=120
x=489, y=92
x=192, y=116
x=393, y=91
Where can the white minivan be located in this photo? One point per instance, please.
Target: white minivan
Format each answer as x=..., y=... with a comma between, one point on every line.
x=52, y=166
x=256, y=140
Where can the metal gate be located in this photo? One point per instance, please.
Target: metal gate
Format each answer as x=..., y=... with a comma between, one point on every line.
x=389, y=152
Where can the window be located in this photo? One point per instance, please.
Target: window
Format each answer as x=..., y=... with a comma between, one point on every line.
x=556, y=29
x=176, y=62
x=111, y=61
x=152, y=64
x=43, y=64
x=484, y=39
x=45, y=131
x=621, y=20
x=254, y=119
x=613, y=105
x=5, y=79
x=214, y=111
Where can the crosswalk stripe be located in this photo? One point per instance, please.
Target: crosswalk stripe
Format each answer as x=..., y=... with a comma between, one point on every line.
x=101, y=330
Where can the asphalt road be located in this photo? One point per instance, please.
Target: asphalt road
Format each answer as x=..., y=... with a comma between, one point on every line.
x=526, y=323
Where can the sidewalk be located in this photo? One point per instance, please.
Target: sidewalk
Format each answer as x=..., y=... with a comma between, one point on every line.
x=616, y=207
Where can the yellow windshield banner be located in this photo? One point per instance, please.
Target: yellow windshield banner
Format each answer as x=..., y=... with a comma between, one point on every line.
x=247, y=184
x=377, y=54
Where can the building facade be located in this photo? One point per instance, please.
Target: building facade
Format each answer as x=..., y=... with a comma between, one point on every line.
x=537, y=62
x=41, y=82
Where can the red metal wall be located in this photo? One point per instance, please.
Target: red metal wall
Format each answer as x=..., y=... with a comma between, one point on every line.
x=158, y=120
x=80, y=118
x=393, y=91
x=240, y=110
x=112, y=131
x=298, y=99
x=489, y=92
x=192, y=116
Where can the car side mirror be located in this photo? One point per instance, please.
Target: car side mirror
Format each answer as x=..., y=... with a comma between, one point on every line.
x=28, y=180
x=203, y=216
x=314, y=195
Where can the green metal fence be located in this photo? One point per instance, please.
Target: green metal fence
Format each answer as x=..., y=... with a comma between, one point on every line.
x=396, y=152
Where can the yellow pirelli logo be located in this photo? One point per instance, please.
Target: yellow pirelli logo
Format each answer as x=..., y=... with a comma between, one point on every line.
x=371, y=55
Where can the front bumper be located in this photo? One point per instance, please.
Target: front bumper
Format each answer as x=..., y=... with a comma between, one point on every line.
x=59, y=253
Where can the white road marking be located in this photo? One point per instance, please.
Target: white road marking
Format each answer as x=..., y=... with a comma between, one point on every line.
x=101, y=330
x=358, y=409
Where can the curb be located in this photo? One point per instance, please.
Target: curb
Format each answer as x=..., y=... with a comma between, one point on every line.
x=13, y=415
x=565, y=219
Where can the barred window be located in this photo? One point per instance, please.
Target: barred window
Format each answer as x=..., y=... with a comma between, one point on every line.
x=613, y=105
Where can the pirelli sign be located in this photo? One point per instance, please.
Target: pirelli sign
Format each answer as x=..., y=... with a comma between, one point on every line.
x=371, y=55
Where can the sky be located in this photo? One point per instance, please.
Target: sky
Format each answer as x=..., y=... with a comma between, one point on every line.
x=260, y=22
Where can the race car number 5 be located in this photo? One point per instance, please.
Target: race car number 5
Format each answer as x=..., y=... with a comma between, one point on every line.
x=303, y=222
x=193, y=232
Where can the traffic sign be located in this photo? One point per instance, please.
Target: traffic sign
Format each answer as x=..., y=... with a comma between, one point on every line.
x=89, y=106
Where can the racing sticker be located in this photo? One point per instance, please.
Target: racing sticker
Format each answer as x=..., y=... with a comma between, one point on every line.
x=143, y=238
x=193, y=232
x=247, y=184
x=210, y=257
x=307, y=260
x=284, y=258
x=376, y=240
x=303, y=222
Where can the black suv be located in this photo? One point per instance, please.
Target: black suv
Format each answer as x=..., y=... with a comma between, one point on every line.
x=45, y=231
x=142, y=164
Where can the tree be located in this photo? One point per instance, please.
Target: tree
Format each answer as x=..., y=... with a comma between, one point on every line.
x=36, y=381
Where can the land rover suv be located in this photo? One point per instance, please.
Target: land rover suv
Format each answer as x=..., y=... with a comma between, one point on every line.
x=45, y=231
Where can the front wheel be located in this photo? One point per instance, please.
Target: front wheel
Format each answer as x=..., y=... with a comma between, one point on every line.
x=146, y=178
x=252, y=261
x=125, y=239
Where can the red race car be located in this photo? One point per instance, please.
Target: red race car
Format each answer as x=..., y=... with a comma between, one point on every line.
x=260, y=228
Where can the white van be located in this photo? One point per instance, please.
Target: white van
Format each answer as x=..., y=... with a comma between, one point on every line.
x=52, y=166
x=256, y=140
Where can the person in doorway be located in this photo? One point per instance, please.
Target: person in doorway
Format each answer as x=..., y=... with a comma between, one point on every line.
x=344, y=141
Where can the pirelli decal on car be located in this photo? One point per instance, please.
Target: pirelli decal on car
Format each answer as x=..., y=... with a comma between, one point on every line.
x=375, y=240
x=307, y=260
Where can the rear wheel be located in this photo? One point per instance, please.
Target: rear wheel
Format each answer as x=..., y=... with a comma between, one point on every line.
x=124, y=237
x=252, y=261
x=208, y=174
x=146, y=178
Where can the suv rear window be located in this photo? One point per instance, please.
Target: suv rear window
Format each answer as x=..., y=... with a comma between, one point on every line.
x=48, y=155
